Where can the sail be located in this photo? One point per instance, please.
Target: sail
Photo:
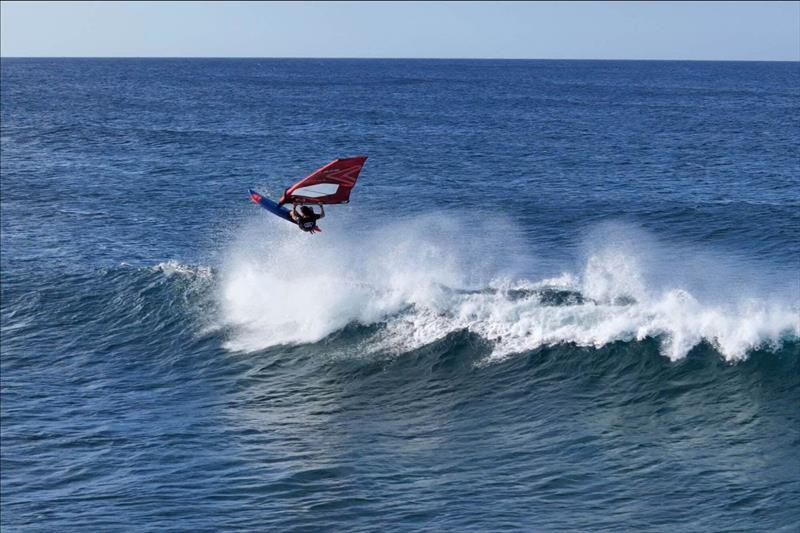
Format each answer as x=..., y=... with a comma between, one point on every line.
x=330, y=184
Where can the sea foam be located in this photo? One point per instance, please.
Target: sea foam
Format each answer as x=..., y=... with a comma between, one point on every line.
x=425, y=278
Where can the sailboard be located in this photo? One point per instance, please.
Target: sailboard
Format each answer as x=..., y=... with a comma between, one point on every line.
x=270, y=206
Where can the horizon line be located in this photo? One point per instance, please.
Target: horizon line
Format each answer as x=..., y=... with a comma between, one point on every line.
x=412, y=58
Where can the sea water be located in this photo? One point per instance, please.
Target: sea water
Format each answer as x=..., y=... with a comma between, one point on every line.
x=565, y=296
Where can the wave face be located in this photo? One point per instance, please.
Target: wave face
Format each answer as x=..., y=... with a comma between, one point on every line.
x=565, y=297
x=173, y=364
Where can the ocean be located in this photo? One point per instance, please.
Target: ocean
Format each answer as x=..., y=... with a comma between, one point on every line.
x=565, y=296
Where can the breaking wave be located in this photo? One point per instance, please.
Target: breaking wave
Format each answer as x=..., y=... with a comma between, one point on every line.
x=425, y=278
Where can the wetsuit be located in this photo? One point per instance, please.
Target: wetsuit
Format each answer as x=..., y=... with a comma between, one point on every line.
x=307, y=223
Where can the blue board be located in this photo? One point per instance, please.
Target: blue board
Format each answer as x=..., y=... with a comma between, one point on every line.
x=270, y=206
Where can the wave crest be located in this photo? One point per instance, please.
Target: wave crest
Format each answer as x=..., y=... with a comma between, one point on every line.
x=423, y=279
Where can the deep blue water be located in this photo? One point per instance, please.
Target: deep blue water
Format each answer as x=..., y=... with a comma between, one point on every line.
x=565, y=296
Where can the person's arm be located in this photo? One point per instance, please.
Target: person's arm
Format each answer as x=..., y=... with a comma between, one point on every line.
x=321, y=212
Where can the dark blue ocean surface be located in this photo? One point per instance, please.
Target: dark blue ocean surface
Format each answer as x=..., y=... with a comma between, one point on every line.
x=565, y=296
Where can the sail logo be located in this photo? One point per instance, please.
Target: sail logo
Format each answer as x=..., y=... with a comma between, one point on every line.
x=346, y=176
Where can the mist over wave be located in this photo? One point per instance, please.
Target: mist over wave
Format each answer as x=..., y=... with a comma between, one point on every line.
x=423, y=278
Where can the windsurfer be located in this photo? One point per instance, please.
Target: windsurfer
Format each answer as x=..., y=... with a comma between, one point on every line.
x=306, y=218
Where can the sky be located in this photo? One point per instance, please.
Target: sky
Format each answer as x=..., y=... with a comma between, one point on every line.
x=765, y=31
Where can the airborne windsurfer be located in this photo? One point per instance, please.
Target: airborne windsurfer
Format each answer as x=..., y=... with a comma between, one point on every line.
x=330, y=184
x=306, y=218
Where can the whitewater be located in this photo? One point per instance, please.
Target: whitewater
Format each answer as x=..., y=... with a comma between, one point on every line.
x=425, y=278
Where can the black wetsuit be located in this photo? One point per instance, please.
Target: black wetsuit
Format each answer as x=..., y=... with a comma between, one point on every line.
x=307, y=223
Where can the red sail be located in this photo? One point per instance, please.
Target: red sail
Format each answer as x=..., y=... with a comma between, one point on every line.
x=330, y=184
